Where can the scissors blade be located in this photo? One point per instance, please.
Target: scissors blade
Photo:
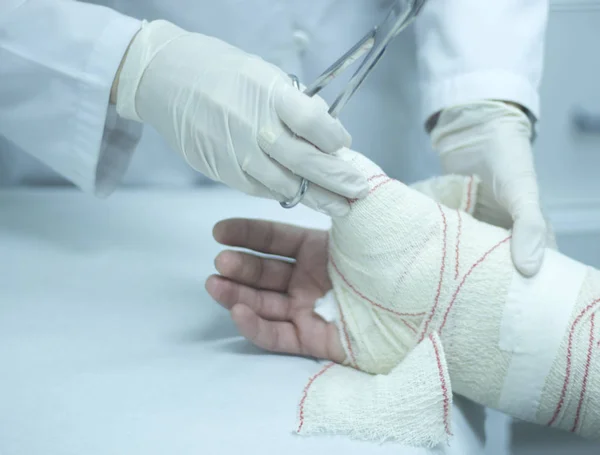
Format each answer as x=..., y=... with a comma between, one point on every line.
x=374, y=44
x=340, y=65
x=401, y=14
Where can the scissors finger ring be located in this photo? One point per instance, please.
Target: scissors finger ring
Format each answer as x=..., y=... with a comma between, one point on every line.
x=298, y=197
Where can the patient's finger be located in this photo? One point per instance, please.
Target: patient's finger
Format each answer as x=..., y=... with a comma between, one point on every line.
x=308, y=336
x=255, y=271
x=259, y=235
x=269, y=335
x=319, y=338
x=269, y=305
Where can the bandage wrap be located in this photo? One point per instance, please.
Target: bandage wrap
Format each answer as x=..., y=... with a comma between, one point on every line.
x=411, y=267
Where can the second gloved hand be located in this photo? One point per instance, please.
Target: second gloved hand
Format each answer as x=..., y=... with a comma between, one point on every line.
x=493, y=140
x=236, y=118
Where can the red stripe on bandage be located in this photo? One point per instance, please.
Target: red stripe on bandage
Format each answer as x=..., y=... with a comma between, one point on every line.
x=408, y=325
x=305, y=394
x=376, y=187
x=442, y=268
x=364, y=297
x=458, y=234
x=380, y=184
x=563, y=392
x=443, y=386
x=585, y=375
x=473, y=267
x=469, y=189
x=375, y=177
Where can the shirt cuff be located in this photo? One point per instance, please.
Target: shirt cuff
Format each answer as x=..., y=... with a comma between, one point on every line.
x=486, y=85
x=104, y=143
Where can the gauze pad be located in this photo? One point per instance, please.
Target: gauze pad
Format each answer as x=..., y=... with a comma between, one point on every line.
x=410, y=268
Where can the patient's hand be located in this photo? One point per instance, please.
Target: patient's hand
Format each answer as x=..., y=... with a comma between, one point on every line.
x=271, y=300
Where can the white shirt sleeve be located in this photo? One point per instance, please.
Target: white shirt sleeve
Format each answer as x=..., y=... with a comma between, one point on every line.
x=472, y=49
x=58, y=61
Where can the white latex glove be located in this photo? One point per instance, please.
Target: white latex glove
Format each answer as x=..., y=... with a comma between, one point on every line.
x=232, y=117
x=492, y=140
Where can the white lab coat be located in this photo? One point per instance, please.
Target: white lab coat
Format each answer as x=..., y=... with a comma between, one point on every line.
x=58, y=59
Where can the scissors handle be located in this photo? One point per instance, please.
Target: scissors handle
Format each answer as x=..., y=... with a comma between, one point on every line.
x=303, y=183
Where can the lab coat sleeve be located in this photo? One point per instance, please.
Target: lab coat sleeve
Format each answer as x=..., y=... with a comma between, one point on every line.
x=472, y=49
x=58, y=61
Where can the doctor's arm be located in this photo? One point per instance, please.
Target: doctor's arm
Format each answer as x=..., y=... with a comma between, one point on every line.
x=77, y=81
x=480, y=67
x=59, y=59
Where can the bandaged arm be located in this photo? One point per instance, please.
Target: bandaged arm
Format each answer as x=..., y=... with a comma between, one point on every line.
x=428, y=303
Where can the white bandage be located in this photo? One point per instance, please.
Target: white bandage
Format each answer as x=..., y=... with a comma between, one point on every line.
x=536, y=317
x=415, y=398
x=328, y=309
x=405, y=267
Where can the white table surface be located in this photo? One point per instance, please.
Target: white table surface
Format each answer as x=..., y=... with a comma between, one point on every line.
x=109, y=343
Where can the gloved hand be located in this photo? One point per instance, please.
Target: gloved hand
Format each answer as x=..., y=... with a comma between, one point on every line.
x=493, y=140
x=234, y=117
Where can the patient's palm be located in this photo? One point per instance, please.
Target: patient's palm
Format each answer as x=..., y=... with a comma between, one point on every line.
x=271, y=300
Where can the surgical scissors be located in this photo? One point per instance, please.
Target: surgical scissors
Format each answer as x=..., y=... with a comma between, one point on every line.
x=375, y=42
